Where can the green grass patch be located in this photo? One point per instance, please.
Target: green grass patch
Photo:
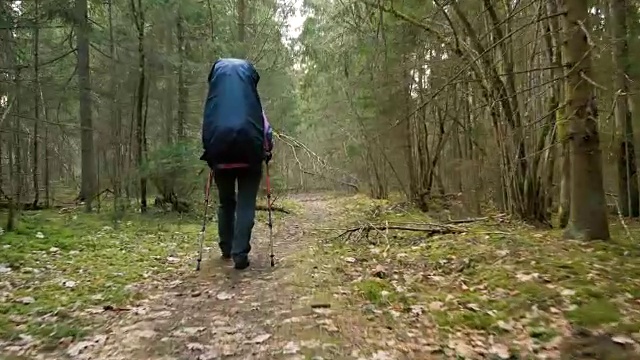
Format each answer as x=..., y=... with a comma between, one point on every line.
x=594, y=313
x=465, y=318
x=61, y=264
x=503, y=279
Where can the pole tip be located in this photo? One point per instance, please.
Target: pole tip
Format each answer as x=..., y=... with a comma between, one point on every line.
x=198, y=266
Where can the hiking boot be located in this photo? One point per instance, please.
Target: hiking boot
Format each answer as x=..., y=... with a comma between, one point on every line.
x=241, y=264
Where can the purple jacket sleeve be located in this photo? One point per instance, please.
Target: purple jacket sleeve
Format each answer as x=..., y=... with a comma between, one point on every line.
x=268, y=134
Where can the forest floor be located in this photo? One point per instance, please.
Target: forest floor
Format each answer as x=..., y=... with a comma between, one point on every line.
x=76, y=286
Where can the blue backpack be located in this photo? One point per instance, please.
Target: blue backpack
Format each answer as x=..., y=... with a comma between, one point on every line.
x=232, y=126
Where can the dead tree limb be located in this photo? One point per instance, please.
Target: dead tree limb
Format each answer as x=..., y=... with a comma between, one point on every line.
x=273, y=208
x=430, y=229
x=316, y=160
x=353, y=186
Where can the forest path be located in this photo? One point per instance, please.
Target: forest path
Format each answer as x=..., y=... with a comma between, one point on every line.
x=492, y=289
x=220, y=312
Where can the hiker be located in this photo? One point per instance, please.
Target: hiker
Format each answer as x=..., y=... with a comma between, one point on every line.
x=237, y=138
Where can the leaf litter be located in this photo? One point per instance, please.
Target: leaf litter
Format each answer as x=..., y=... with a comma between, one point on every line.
x=444, y=296
x=472, y=295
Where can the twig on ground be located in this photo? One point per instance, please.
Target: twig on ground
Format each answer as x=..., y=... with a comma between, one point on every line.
x=466, y=221
x=429, y=228
x=273, y=208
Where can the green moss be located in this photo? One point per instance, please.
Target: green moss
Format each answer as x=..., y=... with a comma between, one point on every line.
x=73, y=261
x=456, y=319
x=542, y=333
x=375, y=291
x=594, y=313
x=57, y=331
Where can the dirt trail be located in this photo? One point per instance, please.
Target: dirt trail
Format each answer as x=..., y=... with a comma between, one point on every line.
x=221, y=313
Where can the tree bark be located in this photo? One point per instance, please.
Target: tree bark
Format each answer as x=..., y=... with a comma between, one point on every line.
x=183, y=93
x=241, y=8
x=88, y=182
x=627, y=169
x=36, y=105
x=116, y=123
x=140, y=136
x=588, y=218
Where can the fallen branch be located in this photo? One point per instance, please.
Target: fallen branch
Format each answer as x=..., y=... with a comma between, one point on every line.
x=80, y=198
x=353, y=186
x=430, y=229
x=27, y=206
x=315, y=159
x=466, y=221
x=273, y=208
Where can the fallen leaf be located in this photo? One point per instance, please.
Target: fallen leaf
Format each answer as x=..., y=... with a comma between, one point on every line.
x=209, y=355
x=350, y=259
x=69, y=284
x=418, y=309
x=295, y=319
x=224, y=296
x=379, y=272
x=291, y=348
x=567, y=292
x=622, y=339
x=260, y=339
x=461, y=348
x=195, y=347
x=504, y=326
x=527, y=277
x=502, y=253
x=25, y=339
x=144, y=334
x=189, y=331
x=500, y=350
x=77, y=348
x=26, y=300
x=4, y=269
x=18, y=319
x=474, y=307
x=328, y=325
x=322, y=311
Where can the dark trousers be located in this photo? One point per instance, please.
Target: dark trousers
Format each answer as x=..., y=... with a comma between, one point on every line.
x=236, y=214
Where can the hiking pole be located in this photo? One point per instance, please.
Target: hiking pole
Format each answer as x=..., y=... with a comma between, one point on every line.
x=204, y=221
x=270, y=223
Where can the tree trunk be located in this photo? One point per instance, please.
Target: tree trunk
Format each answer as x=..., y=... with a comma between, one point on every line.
x=627, y=169
x=115, y=119
x=139, y=16
x=36, y=106
x=183, y=93
x=241, y=8
x=47, y=170
x=588, y=218
x=15, y=169
x=88, y=182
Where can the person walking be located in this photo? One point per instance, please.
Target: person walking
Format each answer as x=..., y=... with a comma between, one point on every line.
x=237, y=138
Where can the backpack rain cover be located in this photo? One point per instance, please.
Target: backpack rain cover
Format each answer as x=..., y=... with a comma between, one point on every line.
x=232, y=126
